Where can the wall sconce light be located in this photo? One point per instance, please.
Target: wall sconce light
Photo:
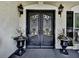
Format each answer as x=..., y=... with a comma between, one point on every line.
x=60, y=9
x=20, y=9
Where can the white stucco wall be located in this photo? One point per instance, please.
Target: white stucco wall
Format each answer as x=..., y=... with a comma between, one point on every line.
x=8, y=24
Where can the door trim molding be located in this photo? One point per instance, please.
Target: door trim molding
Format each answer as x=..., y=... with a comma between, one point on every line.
x=42, y=7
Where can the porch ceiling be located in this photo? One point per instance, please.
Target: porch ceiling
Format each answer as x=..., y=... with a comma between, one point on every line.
x=66, y=4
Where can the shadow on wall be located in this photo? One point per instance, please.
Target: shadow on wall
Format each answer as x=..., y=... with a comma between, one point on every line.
x=0, y=41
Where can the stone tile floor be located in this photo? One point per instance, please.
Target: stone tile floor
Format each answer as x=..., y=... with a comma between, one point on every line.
x=47, y=53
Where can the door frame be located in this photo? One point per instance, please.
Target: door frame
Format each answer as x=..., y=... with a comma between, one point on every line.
x=28, y=23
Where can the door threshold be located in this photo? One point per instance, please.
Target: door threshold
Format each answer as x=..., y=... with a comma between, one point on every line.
x=39, y=47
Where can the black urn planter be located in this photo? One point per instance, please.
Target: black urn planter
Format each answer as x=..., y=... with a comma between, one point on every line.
x=20, y=44
x=64, y=44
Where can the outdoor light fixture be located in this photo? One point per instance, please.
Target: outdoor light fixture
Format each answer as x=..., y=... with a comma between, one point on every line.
x=60, y=9
x=20, y=9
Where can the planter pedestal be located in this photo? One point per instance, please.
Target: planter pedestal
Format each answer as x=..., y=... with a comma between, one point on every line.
x=20, y=44
x=64, y=45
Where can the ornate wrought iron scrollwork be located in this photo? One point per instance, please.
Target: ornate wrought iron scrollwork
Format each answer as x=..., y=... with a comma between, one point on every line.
x=46, y=24
x=33, y=24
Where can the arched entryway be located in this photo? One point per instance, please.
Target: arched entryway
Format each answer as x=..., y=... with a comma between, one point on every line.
x=39, y=8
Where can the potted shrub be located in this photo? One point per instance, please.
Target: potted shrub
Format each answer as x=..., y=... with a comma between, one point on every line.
x=63, y=42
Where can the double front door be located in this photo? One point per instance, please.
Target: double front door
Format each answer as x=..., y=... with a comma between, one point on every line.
x=40, y=28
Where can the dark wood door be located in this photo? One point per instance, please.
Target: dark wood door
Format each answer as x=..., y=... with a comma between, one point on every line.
x=40, y=27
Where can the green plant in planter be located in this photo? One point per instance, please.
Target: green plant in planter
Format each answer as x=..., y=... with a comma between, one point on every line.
x=62, y=35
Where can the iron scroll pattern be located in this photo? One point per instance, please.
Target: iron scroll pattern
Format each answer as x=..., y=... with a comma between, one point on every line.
x=34, y=24
x=46, y=24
